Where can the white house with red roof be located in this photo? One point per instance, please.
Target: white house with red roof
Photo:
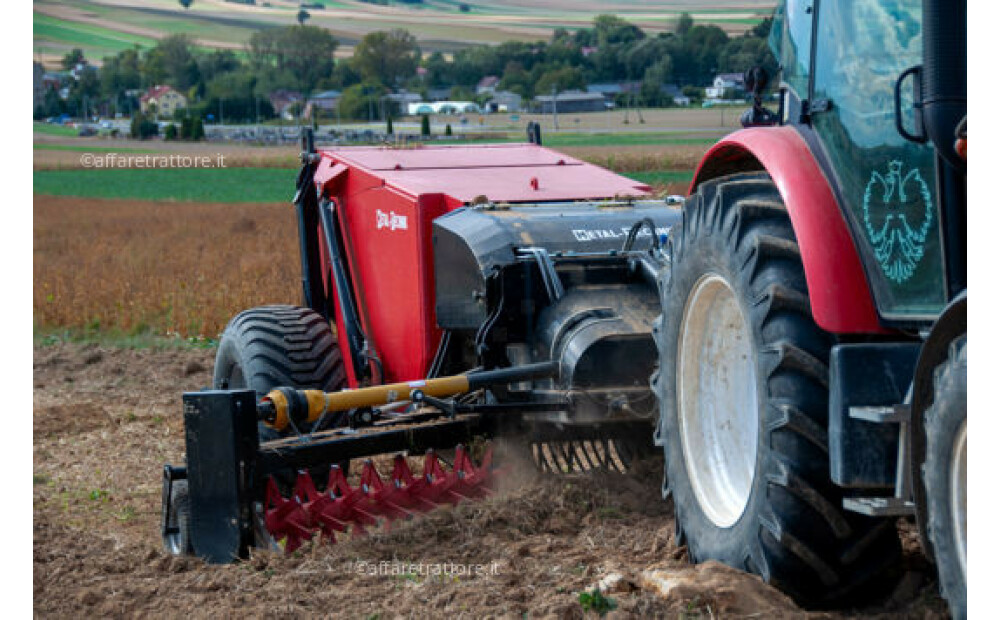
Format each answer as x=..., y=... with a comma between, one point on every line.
x=162, y=101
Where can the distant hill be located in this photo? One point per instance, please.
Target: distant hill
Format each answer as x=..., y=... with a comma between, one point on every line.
x=103, y=27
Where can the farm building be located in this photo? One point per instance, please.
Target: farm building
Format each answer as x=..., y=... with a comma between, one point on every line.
x=571, y=101
x=443, y=107
x=162, y=101
x=504, y=101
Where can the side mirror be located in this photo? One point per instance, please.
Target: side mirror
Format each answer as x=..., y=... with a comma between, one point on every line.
x=755, y=81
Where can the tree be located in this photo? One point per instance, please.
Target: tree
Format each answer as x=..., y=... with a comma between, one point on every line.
x=425, y=125
x=72, y=59
x=197, y=129
x=302, y=16
x=172, y=62
x=388, y=125
x=613, y=30
x=292, y=55
x=360, y=101
x=447, y=130
x=142, y=127
x=684, y=24
x=170, y=133
x=388, y=57
x=566, y=78
x=186, y=3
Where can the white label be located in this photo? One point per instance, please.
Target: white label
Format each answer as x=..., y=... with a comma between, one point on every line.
x=417, y=384
x=389, y=220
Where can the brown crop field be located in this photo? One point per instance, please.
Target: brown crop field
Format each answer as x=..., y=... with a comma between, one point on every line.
x=131, y=267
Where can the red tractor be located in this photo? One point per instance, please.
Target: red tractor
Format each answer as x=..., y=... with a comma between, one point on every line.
x=803, y=319
x=812, y=379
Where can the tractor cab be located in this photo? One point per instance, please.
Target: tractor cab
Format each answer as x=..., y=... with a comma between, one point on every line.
x=848, y=84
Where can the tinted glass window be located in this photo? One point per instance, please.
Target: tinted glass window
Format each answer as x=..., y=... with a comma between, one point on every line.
x=887, y=183
x=791, y=36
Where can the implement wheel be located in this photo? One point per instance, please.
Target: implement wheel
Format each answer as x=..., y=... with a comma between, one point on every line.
x=280, y=346
x=743, y=404
x=945, y=475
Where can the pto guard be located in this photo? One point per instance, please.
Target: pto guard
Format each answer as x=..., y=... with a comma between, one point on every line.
x=839, y=293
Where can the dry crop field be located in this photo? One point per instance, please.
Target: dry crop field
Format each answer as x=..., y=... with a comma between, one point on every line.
x=131, y=267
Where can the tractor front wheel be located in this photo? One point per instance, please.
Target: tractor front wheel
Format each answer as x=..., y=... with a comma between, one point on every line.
x=743, y=390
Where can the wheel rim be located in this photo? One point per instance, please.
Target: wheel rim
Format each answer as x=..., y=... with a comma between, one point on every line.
x=958, y=495
x=717, y=397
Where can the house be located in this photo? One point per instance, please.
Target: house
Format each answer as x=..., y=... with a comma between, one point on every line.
x=724, y=82
x=326, y=101
x=504, y=101
x=283, y=102
x=487, y=85
x=162, y=101
x=570, y=102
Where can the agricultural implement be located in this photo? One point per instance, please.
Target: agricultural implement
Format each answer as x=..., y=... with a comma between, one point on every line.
x=794, y=338
x=476, y=292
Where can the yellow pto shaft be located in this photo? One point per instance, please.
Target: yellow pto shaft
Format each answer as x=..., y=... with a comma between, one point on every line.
x=283, y=406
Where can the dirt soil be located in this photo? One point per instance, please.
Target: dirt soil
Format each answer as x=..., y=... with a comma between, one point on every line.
x=106, y=420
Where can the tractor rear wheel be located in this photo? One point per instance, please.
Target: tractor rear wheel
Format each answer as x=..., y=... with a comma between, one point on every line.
x=945, y=475
x=743, y=393
x=280, y=346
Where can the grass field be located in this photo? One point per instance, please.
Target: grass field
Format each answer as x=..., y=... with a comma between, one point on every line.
x=176, y=184
x=54, y=130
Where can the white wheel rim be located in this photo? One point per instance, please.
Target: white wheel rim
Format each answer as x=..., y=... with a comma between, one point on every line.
x=717, y=397
x=958, y=495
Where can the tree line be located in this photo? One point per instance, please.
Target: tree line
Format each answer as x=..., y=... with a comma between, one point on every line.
x=301, y=58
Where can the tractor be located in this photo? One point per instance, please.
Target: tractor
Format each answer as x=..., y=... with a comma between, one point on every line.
x=792, y=335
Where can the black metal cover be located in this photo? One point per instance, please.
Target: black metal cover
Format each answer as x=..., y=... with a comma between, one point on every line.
x=472, y=243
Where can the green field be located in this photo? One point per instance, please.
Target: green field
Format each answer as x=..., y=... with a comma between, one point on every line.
x=662, y=177
x=88, y=149
x=212, y=184
x=86, y=36
x=179, y=184
x=54, y=130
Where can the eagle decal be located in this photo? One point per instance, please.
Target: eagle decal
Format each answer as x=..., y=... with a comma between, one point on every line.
x=898, y=214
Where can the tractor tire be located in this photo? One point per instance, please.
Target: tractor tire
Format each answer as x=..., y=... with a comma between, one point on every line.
x=179, y=518
x=944, y=473
x=280, y=346
x=743, y=390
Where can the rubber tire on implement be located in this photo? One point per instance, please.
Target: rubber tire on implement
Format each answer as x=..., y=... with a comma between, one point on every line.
x=791, y=529
x=280, y=346
x=179, y=516
x=944, y=422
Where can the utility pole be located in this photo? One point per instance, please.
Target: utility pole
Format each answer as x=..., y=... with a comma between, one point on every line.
x=555, y=111
x=220, y=110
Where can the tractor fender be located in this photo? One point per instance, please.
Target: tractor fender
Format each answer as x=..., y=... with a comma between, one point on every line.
x=839, y=292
